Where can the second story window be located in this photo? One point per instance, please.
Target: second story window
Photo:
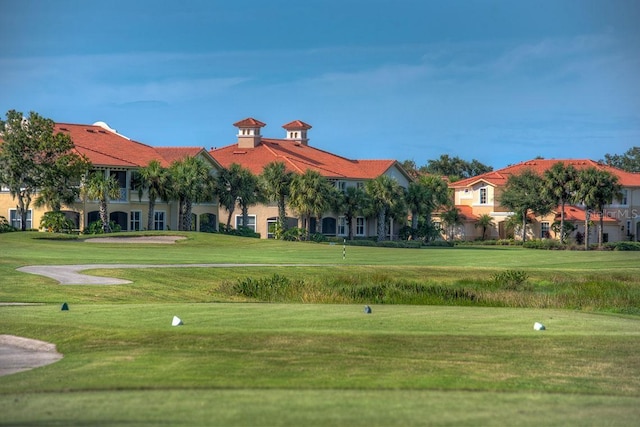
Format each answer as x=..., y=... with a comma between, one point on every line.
x=483, y=196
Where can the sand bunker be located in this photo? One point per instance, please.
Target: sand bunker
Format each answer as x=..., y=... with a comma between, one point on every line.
x=21, y=354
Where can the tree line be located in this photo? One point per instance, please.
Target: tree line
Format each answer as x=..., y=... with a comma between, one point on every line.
x=36, y=162
x=561, y=185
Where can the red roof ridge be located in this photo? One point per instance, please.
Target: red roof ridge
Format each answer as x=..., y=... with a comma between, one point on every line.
x=297, y=124
x=249, y=122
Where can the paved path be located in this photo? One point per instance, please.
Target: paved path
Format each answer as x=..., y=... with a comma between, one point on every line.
x=71, y=274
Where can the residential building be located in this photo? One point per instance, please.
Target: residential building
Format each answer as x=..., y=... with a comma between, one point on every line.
x=253, y=151
x=121, y=157
x=480, y=195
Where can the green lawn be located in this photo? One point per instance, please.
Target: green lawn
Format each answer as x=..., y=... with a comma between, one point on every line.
x=238, y=362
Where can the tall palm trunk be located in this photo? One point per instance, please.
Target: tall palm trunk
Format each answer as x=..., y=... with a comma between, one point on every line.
x=104, y=217
x=186, y=215
x=562, y=221
x=381, y=225
x=414, y=220
x=282, y=214
x=601, y=230
x=151, y=214
x=586, y=229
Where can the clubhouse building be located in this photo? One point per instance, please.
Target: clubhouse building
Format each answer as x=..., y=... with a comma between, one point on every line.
x=119, y=156
x=116, y=155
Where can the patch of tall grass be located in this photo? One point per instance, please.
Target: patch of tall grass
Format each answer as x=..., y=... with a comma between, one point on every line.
x=511, y=288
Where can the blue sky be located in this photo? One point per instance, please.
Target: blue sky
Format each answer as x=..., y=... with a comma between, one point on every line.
x=498, y=81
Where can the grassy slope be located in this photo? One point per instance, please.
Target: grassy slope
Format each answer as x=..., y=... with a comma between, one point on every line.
x=273, y=364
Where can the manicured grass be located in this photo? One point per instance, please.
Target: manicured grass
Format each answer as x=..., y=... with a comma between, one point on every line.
x=262, y=350
x=236, y=362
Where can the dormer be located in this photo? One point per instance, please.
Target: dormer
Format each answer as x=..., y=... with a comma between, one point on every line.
x=249, y=132
x=297, y=132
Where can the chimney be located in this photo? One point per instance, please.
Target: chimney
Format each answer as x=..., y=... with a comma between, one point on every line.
x=297, y=131
x=249, y=132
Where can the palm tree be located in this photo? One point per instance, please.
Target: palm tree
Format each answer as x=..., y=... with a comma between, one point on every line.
x=386, y=196
x=310, y=195
x=249, y=193
x=101, y=187
x=485, y=221
x=156, y=180
x=451, y=218
x=596, y=189
x=424, y=196
x=559, y=183
x=275, y=181
x=191, y=183
x=228, y=186
x=350, y=203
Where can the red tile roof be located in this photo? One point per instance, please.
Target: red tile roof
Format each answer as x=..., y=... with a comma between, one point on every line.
x=499, y=177
x=466, y=212
x=298, y=158
x=249, y=122
x=105, y=147
x=297, y=124
x=576, y=214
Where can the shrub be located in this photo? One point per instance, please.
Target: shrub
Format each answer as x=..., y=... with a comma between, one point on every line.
x=511, y=279
x=544, y=244
x=241, y=231
x=295, y=234
x=440, y=243
x=624, y=246
x=5, y=227
x=96, y=227
x=56, y=222
x=317, y=237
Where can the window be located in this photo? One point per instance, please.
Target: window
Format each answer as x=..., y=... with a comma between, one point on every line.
x=544, y=230
x=628, y=228
x=272, y=228
x=16, y=220
x=329, y=226
x=342, y=226
x=360, y=184
x=360, y=226
x=158, y=220
x=624, y=200
x=483, y=196
x=251, y=223
x=134, y=220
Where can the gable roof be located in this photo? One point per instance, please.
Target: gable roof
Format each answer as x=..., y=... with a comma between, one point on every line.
x=103, y=146
x=499, y=177
x=298, y=158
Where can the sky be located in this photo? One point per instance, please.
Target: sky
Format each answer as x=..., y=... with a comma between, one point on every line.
x=497, y=81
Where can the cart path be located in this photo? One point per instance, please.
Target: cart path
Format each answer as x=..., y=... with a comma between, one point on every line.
x=72, y=274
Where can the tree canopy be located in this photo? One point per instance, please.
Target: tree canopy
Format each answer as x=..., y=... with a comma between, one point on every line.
x=629, y=161
x=35, y=159
x=524, y=192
